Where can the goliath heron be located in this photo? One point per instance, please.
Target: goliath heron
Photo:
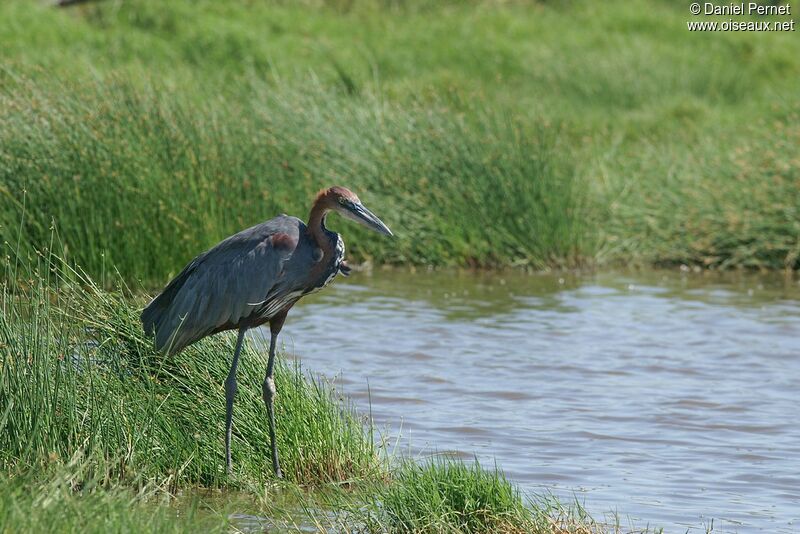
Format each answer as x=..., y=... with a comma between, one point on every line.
x=252, y=278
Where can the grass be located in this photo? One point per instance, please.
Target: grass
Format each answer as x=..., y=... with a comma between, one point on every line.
x=143, y=162
x=31, y=504
x=450, y=496
x=515, y=134
x=441, y=496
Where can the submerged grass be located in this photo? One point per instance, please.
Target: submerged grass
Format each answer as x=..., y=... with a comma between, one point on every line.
x=490, y=134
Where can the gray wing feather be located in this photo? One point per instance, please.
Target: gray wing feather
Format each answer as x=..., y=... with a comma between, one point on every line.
x=220, y=288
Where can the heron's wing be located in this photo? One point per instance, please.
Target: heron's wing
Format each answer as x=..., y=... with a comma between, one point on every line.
x=223, y=287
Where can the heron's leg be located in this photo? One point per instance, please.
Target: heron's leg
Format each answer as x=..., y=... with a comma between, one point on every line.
x=230, y=393
x=268, y=389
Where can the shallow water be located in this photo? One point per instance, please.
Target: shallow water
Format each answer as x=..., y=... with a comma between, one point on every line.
x=671, y=398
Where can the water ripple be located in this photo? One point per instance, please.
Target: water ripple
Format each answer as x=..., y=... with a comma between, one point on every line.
x=668, y=398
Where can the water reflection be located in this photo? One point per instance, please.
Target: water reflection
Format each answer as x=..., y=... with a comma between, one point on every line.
x=670, y=397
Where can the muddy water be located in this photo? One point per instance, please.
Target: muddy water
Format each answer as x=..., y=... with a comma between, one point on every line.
x=671, y=398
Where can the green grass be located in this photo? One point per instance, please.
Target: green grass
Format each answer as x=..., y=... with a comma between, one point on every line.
x=31, y=504
x=164, y=180
x=447, y=495
x=486, y=134
x=436, y=496
x=450, y=496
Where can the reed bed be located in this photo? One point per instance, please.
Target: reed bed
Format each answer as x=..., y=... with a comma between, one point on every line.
x=520, y=134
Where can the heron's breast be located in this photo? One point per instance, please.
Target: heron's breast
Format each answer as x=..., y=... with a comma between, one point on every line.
x=332, y=268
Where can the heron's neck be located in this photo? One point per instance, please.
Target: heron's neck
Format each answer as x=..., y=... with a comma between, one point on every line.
x=316, y=227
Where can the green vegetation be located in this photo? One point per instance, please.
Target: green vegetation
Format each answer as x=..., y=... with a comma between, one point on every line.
x=134, y=183
x=449, y=496
x=28, y=504
x=486, y=134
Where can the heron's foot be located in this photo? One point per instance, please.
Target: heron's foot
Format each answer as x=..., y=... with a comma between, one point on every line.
x=344, y=268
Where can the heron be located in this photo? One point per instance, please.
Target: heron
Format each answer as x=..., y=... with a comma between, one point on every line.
x=252, y=278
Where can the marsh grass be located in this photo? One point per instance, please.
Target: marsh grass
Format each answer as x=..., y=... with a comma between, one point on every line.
x=504, y=134
x=749, y=217
x=448, y=495
x=164, y=179
x=444, y=495
x=484, y=133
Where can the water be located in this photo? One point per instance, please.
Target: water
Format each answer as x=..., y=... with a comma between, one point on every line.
x=670, y=398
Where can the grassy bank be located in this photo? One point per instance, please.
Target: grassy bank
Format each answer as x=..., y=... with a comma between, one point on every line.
x=486, y=134
x=454, y=499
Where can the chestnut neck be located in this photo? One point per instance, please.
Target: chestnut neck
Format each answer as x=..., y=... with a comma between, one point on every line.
x=316, y=223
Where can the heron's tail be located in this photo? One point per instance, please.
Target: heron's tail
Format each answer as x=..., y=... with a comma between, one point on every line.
x=153, y=317
x=160, y=317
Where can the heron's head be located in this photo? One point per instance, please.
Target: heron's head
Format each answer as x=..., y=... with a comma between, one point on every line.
x=344, y=201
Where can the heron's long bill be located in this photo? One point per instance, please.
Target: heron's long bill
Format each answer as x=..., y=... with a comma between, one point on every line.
x=367, y=218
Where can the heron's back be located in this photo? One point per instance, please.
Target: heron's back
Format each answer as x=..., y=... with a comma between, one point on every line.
x=229, y=286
